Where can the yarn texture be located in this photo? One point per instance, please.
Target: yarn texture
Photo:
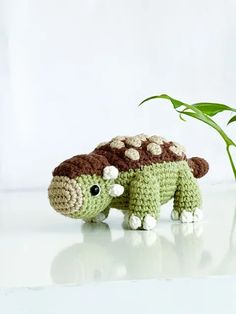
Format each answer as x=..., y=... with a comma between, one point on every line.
x=134, y=174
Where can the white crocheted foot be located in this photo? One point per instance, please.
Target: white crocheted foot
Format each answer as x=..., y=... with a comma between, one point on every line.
x=197, y=215
x=174, y=215
x=186, y=216
x=99, y=218
x=134, y=222
x=149, y=222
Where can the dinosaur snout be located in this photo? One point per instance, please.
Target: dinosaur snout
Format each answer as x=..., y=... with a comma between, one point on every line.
x=65, y=195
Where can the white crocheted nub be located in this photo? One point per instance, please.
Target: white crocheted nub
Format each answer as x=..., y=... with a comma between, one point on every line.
x=187, y=216
x=110, y=172
x=100, y=217
x=134, y=222
x=149, y=222
x=197, y=215
x=116, y=190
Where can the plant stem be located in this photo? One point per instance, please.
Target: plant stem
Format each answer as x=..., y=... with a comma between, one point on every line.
x=231, y=160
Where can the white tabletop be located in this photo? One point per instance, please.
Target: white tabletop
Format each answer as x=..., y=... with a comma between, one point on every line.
x=52, y=264
x=41, y=248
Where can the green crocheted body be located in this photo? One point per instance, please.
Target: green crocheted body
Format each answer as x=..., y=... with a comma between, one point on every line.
x=147, y=188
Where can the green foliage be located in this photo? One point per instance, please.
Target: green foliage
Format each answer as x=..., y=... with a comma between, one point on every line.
x=211, y=109
x=233, y=119
x=203, y=111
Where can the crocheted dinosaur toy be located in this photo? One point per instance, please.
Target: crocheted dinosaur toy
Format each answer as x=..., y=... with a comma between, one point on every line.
x=135, y=174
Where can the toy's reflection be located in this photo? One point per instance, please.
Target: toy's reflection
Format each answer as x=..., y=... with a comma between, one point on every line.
x=136, y=255
x=229, y=260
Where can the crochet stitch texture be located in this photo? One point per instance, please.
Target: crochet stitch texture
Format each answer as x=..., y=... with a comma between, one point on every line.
x=135, y=174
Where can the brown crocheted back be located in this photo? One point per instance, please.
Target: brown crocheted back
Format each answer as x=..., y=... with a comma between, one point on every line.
x=134, y=152
x=81, y=164
x=123, y=152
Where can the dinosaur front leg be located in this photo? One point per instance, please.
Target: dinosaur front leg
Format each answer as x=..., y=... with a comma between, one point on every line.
x=187, y=199
x=100, y=216
x=144, y=202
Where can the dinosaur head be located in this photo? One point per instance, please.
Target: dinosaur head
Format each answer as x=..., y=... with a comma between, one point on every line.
x=83, y=186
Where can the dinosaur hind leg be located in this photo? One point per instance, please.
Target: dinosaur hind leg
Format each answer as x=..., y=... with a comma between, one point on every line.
x=187, y=199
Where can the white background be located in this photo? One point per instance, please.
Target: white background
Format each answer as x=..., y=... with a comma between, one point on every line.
x=73, y=72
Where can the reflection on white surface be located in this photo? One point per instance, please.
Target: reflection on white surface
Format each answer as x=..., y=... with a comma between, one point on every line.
x=135, y=255
x=39, y=247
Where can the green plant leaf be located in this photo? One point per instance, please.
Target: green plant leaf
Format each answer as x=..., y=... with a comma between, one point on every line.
x=211, y=109
x=202, y=112
x=176, y=103
x=181, y=116
x=210, y=122
x=194, y=112
x=233, y=119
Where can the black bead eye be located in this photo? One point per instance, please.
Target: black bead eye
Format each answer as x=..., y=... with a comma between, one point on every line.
x=95, y=190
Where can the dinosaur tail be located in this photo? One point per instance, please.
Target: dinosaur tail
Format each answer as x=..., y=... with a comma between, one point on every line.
x=199, y=166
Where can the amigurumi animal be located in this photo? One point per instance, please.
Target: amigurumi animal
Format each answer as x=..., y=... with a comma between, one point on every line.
x=135, y=174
